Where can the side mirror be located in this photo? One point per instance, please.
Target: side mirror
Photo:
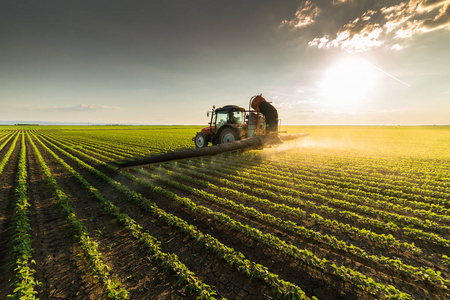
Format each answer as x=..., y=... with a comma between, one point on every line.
x=207, y=114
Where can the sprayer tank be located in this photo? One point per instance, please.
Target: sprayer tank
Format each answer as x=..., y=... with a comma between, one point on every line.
x=252, y=124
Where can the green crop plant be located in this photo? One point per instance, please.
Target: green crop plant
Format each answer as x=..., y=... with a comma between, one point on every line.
x=23, y=280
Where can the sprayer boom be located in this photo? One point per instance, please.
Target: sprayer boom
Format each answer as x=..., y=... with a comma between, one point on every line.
x=251, y=142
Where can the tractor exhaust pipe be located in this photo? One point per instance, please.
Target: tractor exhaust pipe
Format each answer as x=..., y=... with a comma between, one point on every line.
x=250, y=142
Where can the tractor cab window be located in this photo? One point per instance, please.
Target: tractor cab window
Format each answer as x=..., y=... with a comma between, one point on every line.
x=221, y=118
x=237, y=117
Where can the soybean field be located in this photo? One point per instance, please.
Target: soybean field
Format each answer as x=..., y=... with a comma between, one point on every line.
x=351, y=212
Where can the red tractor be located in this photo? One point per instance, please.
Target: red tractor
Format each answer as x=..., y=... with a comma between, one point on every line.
x=231, y=128
x=231, y=123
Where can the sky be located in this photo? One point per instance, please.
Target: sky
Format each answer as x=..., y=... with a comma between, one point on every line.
x=338, y=62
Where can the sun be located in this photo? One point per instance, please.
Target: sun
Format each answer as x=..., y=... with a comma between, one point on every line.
x=348, y=83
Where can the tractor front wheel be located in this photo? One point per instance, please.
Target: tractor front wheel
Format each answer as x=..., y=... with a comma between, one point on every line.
x=228, y=135
x=201, y=140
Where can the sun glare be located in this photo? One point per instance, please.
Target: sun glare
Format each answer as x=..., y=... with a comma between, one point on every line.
x=347, y=84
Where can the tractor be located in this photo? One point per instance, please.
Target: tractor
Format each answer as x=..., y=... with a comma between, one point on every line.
x=231, y=128
x=231, y=123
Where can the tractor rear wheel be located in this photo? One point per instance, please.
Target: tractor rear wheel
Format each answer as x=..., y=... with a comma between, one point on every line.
x=201, y=140
x=228, y=135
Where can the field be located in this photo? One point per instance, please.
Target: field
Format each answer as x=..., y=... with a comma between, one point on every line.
x=348, y=213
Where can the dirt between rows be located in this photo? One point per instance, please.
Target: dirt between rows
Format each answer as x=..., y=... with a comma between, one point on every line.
x=58, y=265
x=63, y=272
x=128, y=260
x=429, y=247
x=371, y=247
x=379, y=273
x=233, y=166
x=312, y=281
x=279, y=263
x=218, y=273
x=7, y=185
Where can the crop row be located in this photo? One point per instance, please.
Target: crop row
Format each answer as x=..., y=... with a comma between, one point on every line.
x=89, y=247
x=119, y=150
x=311, y=179
x=6, y=140
x=7, y=155
x=145, y=139
x=97, y=146
x=410, y=270
x=410, y=203
x=234, y=187
x=370, y=169
x=424, y=271
x=417, y=200
x=418, y=234
x=401, y=188
x=23, y=280
x=402, y=172
x=186, y=278
x=234, y=258
x=264, y=192
x=5, y=133
x=326, y=194
x=426, y=274
x=384, y=241
x=415, y=204
x=348, y=274
x=351, y=275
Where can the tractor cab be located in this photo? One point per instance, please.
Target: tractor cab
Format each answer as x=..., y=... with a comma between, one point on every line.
x=227, y=124
x=230, y=114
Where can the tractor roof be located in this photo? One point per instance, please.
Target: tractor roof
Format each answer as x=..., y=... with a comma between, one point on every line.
x=230, y=108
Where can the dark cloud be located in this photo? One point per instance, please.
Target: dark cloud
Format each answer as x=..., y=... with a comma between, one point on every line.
x=442, y=20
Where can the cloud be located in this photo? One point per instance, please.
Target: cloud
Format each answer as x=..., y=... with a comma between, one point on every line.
x=352, y=36
x=442, y=20
x=304, y=16
x=338, y=2
x=397, y=47
x=391, y=26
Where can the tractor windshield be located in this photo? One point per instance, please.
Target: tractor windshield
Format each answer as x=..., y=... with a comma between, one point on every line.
x=229, y=117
